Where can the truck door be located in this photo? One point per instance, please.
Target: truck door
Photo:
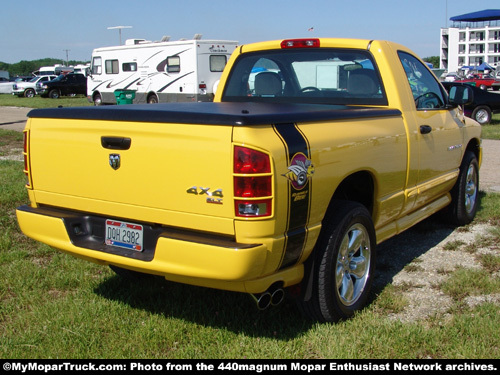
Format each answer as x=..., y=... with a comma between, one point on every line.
x=437, y=135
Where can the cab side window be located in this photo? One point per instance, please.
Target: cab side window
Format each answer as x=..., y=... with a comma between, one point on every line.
x=424, y=86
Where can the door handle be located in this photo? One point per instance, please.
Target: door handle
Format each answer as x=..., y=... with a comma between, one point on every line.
x=425, y=129
x=116, y=143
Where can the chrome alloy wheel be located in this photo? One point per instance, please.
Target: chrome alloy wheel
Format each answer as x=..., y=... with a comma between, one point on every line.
x=482, y=116
x=353, y=264
x=471, y=189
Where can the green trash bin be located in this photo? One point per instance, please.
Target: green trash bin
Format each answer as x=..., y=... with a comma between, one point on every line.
x=124, y=96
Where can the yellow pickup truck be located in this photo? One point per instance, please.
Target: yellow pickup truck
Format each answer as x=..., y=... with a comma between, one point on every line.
x=312, y=153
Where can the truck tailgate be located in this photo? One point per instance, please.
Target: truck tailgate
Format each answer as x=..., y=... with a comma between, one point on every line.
x=171, y=169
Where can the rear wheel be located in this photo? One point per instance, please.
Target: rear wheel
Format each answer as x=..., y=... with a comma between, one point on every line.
x=344, y=265
x=54, y=94
x=482, y=114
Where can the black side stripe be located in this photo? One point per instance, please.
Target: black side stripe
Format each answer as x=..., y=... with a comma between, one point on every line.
x=295, y=143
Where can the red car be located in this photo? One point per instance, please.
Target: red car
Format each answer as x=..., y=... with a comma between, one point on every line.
x=483, y=81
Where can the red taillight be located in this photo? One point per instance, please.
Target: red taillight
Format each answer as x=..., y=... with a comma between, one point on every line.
x=202, y=85
x=252, y=182
x=252, y=187
x=300, y=43
x=247, y=161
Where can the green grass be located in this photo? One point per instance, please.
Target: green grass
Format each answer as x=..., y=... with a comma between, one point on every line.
x=55, y=306
x=7, y=100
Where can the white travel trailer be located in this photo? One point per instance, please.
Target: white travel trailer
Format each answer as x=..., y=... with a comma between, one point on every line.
x=165, y=71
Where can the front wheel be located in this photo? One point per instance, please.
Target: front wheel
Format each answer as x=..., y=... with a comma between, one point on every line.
x=465, y=193
x=97, y=100
x=344, y=265
x=29, y=93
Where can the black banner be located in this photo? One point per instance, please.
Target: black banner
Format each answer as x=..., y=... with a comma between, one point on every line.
x=296, y=366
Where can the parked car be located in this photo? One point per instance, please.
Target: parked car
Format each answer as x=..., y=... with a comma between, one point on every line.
x=28, y=89
x=483, y=81
x=450, y=77
x=484, y=103
x=495, y=86
x=65, y=84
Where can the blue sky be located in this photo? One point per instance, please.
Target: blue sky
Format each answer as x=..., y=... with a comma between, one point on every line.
x=34, y=29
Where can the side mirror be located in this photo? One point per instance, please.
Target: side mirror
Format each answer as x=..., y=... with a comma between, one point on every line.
x=461, y=95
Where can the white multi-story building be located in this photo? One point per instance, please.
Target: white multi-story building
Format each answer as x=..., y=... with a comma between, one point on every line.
x=472, y=42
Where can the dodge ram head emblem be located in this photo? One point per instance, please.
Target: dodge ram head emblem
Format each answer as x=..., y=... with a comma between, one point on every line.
x=299, y=171
x=114, y=161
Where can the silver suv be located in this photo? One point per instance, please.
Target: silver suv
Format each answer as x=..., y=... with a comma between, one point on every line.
x=28, y=89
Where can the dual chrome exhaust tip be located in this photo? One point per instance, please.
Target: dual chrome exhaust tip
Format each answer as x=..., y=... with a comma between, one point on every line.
x=271, y=297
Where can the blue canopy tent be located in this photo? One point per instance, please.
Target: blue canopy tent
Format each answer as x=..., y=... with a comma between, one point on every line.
x=484, y=66
x=482, y=15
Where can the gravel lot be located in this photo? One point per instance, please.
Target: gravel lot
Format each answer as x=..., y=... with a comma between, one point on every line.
x=417, y=261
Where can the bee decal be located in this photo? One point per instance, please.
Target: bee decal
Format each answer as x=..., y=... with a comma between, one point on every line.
x=299, y=171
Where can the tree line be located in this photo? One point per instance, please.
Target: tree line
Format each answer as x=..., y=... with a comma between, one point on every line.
x=25, y=68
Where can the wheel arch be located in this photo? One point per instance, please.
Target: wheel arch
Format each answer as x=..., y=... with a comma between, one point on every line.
x=357, y=187
x=474, y=146
x=152, y=94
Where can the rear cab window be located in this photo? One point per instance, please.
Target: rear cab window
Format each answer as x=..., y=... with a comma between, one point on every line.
x=314, y=75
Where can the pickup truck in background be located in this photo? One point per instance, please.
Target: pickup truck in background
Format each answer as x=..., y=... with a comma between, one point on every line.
x=64, y=84
x=28, y=88
x=312, y=153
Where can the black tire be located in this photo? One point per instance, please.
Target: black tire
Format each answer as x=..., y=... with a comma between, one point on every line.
x=97, y=99
x=343, y=265
x=152, y=99
x=129, y=274
x=482, y=114
x=465, y=193
x=54, y=94
x=29, y=93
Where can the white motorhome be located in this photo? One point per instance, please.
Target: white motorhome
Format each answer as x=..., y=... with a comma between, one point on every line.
x=53, y=70
x=165, y=71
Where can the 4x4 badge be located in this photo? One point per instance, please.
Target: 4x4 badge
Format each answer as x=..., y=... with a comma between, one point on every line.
x=114, y=161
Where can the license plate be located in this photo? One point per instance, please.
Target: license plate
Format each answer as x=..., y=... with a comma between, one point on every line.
x=123, y=234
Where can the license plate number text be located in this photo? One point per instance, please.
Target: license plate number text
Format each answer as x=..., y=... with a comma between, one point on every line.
x=123, y=234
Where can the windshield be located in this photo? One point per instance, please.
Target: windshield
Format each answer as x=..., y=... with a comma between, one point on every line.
x=319, y=75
